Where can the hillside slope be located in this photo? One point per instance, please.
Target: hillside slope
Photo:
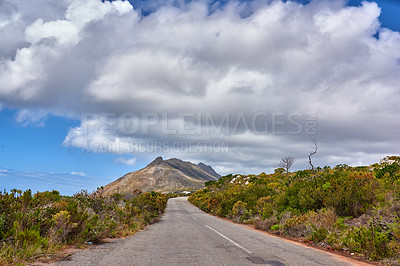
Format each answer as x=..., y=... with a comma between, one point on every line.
x=163, y=176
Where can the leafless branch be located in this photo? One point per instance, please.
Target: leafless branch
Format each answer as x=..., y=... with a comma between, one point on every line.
x=315, y=149
x=286, y=162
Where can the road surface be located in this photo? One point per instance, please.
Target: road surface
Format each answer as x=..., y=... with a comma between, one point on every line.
x=186, y=235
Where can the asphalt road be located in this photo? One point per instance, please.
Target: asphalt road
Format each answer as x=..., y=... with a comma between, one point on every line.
x=186, y=235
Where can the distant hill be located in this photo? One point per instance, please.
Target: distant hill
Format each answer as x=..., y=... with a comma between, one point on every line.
x=163, y=176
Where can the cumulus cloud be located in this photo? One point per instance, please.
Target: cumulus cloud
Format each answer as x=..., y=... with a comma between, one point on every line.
x=79, y=57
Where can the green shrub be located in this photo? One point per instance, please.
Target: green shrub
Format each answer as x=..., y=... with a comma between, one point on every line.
x=275, y=227
x=32, y=226
x=319, y=235
x=297, y=226
x=325, y=205
x=239, y=211
x=368, y=240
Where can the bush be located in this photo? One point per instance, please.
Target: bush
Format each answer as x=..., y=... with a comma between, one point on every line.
x=372, y=241
x=266, y=224
x=265, y=207
x=351, y=193
x=327, y=206
x=323, y=218
x=239, y=211
x=33, y=226
x=319, y=235
x=275, y=227
x=297, y=226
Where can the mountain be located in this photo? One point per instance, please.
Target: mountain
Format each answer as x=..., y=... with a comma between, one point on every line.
x=208, y=169
x=163, y=176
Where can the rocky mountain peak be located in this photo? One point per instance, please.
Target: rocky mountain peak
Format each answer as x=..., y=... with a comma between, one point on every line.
x=208, y=169
x=163, y=176
x=157, y=161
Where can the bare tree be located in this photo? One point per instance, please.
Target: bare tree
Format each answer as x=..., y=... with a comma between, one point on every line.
x=286, y=162
x=315, y=149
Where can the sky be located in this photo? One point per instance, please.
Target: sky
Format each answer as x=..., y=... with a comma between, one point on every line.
x=91, y=90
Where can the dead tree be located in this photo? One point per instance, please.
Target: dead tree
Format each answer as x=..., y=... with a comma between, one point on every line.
x=286, y=162
x=315, y=149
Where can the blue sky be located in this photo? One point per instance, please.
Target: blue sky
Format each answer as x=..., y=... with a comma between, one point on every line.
x=32, y=156
x=389, y=17
x=39, y=141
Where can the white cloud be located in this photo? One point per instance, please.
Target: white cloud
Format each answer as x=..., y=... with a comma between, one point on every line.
x=78, y=173
x=25, y=117
x=76, y=57
x=127, y=161
x=62, y=30
x=3, y=172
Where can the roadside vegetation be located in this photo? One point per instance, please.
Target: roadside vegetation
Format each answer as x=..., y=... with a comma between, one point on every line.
x=351, y=209
x=39, y=226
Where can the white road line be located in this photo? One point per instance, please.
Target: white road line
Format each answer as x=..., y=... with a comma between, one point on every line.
x=233, y=242
x=194, y=217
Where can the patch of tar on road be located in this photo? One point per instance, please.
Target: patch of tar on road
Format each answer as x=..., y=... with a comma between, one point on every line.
x=225, y=246
x=258, y=260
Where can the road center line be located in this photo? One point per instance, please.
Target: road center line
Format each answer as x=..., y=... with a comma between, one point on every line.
x=230, y=240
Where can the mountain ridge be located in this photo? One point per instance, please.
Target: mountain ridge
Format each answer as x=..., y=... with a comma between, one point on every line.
x=163, y=176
